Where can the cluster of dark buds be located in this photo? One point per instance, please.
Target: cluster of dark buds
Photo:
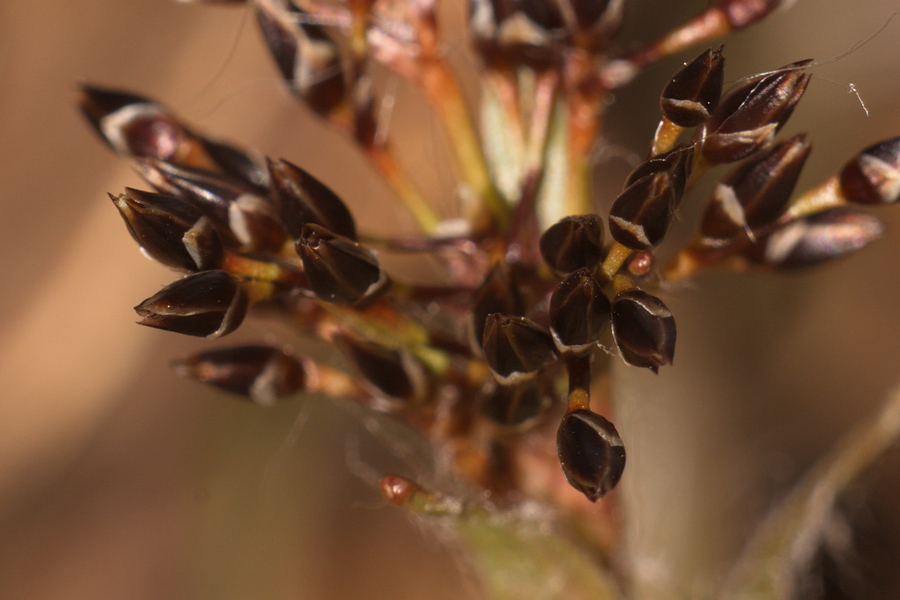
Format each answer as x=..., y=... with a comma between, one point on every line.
x=538, y=295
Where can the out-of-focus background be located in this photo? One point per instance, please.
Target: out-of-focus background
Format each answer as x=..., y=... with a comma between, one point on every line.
x=119, y=480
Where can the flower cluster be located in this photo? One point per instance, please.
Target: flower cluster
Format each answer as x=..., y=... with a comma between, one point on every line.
x=540, y=288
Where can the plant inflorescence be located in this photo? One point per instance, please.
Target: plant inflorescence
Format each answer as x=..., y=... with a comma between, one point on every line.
x=504, y=365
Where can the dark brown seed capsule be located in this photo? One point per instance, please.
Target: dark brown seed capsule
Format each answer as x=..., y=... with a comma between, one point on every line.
x=677, y=162
x=743, y=13
x=206, y=304
x=756, y=193
x=515, y=348
x=873, y=175
x=815, y=238
x=517, y=31
x=390, y=373
x=338, y=269
x=578, y=313
x=248, y=168
x=693, y=92
x=302, y=199
x=573, y=242
x=644, y=329
x=750, y=115
x=499, y=293
x=596, y=22
x=262, y=373
x=309, y=60
x=640, y=217
x=515, y=407
x=170, y=230
x=134, y=125
x=591, y=453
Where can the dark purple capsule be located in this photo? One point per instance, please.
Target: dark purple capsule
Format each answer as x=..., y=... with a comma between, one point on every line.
x=515, y=348
x=750, y=115
x=206, y=304
x=677, y=162
x=338, y=269
x=518, y=32
x=694, y=91
x=263, y=374
x=644, y=329
x=815, y=238
x=579, y=311
x=640, y=217
x=390, y=373
x=498, y=293
x=515, y=407
x=170, y=230
x=573, y=242
x=309, y=59
x=873, y=175
x=134, y=125
x=756, y=193
x=591, y=453
x=301, y=199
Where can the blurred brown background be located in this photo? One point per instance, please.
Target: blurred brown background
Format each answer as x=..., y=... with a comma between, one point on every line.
x=118, y=480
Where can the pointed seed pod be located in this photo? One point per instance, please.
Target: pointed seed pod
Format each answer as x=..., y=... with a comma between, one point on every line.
x=309, y=59
x=206, y=304
x=596, y=22
x=263, y=374
x=579, y=311
x=873, y=175
x=246, y=166
x=515, y=407
x=756, y=193
x=644, y=329
x=750, y=115
x=338, y=269
x=390, y=373
x=134, y=125
x=694, y=91
x=677, y=162
x=170, y=230
x=640, y=217
x=302, y=199
x=815, y=238
x=591, y=453
x=498, y=293
x=515, y=348
x=517, y=32
x=573, y=242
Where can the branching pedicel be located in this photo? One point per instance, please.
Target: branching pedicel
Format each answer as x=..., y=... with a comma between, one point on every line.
x=533, y=286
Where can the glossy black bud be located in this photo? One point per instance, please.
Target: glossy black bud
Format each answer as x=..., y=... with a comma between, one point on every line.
x=515, y=407
x=873, y=175
x=644, y=329
x=262, y=373
x=640, y=217
x=756, y=193
x=338, y=269
x=815, y=238
x=579, y=311
x=573, y=242
x=206, y=304
x=309, y=60
x=170, y=230
x=591, y=453
x=302, y=199
x=498, y=293
x=694, y=91
x=515, y=348
x=677, y=162
x=391, y=373
x=750, y=115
